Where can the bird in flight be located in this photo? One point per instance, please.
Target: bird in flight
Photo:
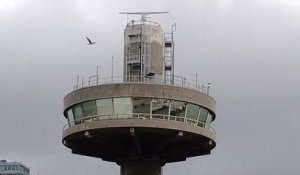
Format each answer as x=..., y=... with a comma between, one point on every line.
x=90, y=42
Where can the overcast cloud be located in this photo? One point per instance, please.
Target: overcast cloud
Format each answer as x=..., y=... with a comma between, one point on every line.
x=248, y=50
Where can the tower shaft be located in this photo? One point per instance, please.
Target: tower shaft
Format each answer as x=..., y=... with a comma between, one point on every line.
x=141, y=167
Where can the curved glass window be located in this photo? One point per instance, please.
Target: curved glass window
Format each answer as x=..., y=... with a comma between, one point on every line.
x=142, y=106
x=122, y=106
x=178, y=109
x=208, y=120
x=160, y=106
x=89, y=108
x=78, y=112
x=192, y=112
x=104, y=106
x=203, y=116
x=70, y=117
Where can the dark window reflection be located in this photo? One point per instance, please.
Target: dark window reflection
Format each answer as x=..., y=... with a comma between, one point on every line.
x=160, y=106
x=178, y=108
x=78, y=112
x=141, y=105
x=89, y=108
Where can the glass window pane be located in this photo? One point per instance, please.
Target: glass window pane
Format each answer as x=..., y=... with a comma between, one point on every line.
x=141, y=105
x=89, y=108
x=70, y=117
x=105, y=106
x=122, y=106
x=77, y=111
x=203, y=115
x=208, y=121
x=177, y=109
x=160, y=106
x=192, y=111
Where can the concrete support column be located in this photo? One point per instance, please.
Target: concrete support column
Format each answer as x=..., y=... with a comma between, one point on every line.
x=141, y=167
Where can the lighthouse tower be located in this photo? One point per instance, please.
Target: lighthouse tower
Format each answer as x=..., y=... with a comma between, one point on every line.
x=147, y=118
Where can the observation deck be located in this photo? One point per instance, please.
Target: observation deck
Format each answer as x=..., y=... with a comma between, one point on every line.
x=132, y=117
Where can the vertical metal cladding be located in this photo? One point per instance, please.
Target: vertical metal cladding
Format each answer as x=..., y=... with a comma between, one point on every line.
x=143, y=49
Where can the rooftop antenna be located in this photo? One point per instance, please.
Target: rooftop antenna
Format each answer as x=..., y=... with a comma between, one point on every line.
x=143, y=14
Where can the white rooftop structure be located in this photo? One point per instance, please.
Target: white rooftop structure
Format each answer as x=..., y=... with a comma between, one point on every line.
x=13, y=168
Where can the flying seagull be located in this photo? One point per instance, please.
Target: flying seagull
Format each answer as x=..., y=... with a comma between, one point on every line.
x=90, y=42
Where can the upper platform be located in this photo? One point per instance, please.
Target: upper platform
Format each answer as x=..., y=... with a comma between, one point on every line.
x=172, y=80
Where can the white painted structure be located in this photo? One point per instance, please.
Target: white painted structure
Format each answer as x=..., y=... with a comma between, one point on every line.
x=143, y=50
x=13, y=168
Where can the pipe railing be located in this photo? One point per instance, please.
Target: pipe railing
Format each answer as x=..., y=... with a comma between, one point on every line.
x=169, y=80
x=140, y=22
x=143, y=116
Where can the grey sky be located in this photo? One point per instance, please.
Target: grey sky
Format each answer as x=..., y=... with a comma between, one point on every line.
x=248, y=50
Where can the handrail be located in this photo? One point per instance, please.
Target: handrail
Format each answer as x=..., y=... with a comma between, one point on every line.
x=169, y=80
x=140, y=22
x=144, y=116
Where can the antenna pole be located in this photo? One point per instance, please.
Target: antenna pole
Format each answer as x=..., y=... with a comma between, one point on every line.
x=112, y=68
x=208, y=87
x=77, y=82
x=97, y=73
x=196, y=80
x=82, y=81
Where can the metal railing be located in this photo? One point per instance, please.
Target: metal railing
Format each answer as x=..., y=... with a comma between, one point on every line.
x=143, y=116
x=140, y=22
x=169, y=80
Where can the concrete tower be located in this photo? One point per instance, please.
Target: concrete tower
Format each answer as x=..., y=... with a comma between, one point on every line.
x=147, y=118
